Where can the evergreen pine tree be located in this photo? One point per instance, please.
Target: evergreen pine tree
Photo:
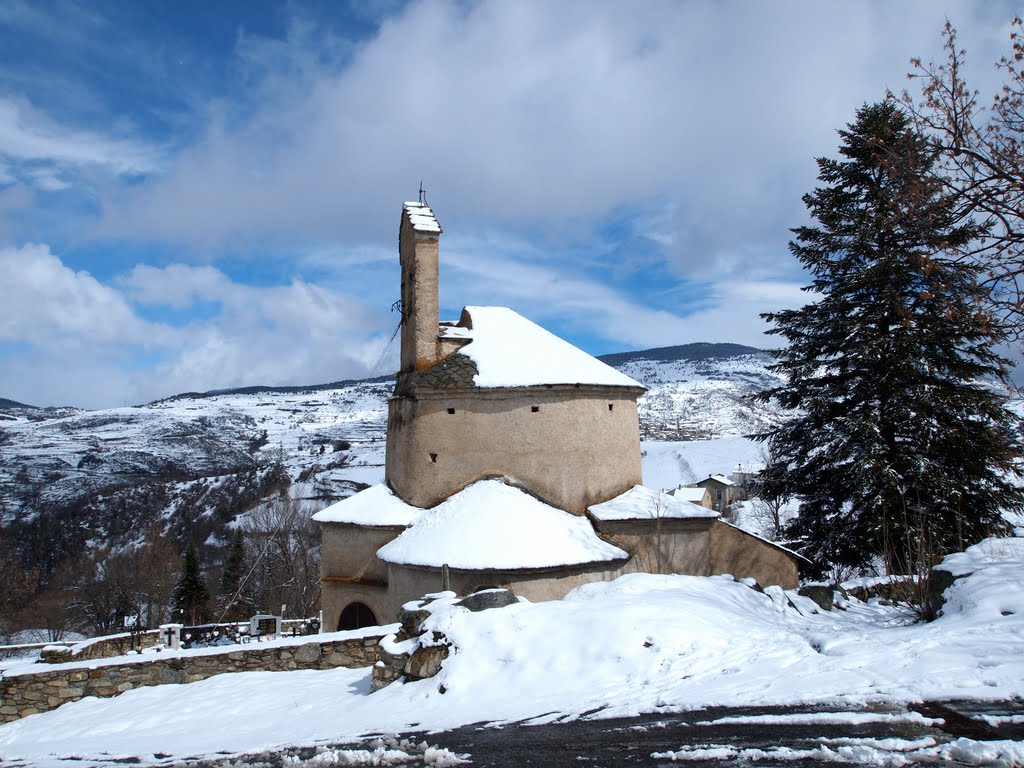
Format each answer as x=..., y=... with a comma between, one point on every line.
x=902, y=448
x=231, y=578
x=191, y=594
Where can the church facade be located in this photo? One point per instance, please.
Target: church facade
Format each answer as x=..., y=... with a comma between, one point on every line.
x=513, y=460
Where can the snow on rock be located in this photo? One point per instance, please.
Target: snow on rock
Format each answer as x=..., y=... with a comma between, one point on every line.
x=493, y=525
x=26, y=666
x=511, y=351
x=632, y=645
x=645, y=642
x=642, y=503
x=991, y=551
x=376, y=505
x=985, y=595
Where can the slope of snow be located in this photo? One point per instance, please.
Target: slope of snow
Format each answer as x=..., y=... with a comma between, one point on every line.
x=493, y=525
x=511, y=351
x=638, y=644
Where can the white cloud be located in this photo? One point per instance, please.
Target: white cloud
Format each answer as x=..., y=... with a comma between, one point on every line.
x=88, y=342
x=580, y=126
x=278, y=335
x=72, y=339
x=297, y=333
x=176, y=286
x=29, y=136
x=500, y=272
x=735, y=311
x=48, y=305
x=549, y=116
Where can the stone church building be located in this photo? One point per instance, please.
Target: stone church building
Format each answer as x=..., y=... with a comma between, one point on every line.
x=513, y=460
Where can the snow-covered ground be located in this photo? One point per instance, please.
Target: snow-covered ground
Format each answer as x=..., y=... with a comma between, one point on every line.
x=639, y=644
x=668, y=464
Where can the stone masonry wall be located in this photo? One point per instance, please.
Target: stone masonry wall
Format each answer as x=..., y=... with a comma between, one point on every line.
x=28, y=693
x=114, y=645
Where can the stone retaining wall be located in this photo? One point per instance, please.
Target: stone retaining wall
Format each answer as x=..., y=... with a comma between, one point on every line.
x=114, y=645
x=23, y=694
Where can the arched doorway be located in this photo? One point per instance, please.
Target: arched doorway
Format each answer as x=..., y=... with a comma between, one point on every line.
x=356, y=616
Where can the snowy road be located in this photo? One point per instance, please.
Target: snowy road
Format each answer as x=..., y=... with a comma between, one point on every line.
x=767, y=736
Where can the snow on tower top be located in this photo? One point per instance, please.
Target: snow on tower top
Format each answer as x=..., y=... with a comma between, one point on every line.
x=422, y=218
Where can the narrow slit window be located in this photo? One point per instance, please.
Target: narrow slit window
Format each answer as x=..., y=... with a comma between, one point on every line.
x=433, y=458
x=534, y=408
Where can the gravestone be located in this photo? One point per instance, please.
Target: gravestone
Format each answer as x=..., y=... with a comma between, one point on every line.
x=264, y=625
x=170, y=636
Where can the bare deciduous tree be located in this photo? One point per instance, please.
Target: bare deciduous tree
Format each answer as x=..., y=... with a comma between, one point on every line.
x=283, y=547
x=981, y=159
x=97, y=591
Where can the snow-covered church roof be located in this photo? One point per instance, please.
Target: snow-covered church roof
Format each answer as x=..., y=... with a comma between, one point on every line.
x=511, y=351
x=491, y=525
x=643, y=503
x=376, y=506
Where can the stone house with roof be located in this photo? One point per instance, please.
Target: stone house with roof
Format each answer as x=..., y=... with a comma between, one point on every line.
x=513, y=460
x=699, y=495
x=722, y=490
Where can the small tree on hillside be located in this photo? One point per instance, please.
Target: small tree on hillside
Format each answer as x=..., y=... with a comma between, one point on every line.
x=902, y=448
x=232, y=604
x=191, y=595
x=18, y=590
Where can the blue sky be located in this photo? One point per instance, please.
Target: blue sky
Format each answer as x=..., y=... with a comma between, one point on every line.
x=200, y=195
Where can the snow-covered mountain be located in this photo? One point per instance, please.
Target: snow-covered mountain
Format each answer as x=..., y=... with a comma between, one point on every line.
x=193, y=463
x=700, y=391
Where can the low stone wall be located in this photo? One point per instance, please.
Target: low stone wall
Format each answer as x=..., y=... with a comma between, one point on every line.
x=26, y=693
x=114, y=645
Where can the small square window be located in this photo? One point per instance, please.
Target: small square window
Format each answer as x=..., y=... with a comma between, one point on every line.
x=451, y=410
x=534, y=408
